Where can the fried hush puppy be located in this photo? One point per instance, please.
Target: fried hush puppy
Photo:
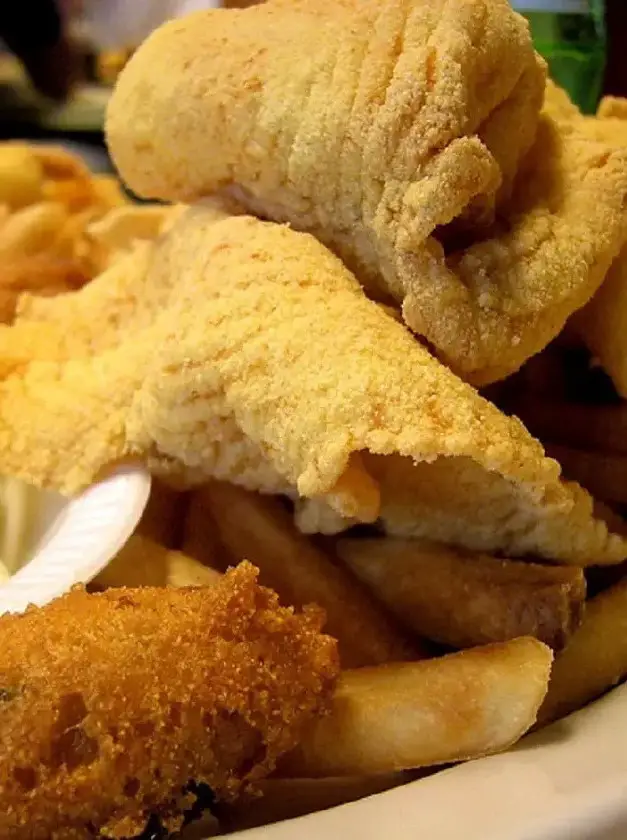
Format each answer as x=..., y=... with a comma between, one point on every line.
x=112, y=703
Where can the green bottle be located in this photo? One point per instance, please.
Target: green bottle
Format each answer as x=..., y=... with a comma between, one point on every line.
x=570, y=34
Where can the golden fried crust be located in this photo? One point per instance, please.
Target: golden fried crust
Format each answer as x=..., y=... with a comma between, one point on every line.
x=111, y=703
x=602, y=324
x=397, y=124
x=246, y=352
x=563, y=227
x=471, y=475
x=406, y=126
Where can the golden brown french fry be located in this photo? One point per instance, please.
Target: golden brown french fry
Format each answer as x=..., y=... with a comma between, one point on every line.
x=594, y=660
x=419, y=714
x=162, y=520
x=604, y=476
x=286, y=799
x=32, y=229
x=69, y=240
x=258, y=528
x=601, y=428
x=109, y=65
x=122, y=226
x=108, y=191
x=21, y=176
x=462, y=599
x=59, y=164
x=200, y=534
x=142, y=562
x=40, y=274
x=75, y=194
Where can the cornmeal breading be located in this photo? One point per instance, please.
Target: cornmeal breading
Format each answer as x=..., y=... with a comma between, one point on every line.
x=206, y=358
x=112, y=703
x=401, y=141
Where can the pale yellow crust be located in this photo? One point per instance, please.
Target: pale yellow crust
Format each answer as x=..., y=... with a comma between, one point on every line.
x=404, y=126
x=396, y=125
x=244, y=351
x=603, y=323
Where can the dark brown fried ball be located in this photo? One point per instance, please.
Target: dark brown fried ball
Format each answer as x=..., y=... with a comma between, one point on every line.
x=111, y=703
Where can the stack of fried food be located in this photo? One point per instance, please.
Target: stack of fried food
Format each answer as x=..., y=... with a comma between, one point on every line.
x=374, y=227
x=60, y=225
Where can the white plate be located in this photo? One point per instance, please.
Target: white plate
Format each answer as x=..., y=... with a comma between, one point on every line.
x=73, y=539
x=567, y=782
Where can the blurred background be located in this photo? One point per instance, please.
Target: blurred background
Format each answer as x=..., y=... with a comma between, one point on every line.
x=60, y=58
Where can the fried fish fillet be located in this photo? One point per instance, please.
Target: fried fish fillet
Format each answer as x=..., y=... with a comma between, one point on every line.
x=602, y=324
x=612, y=106
x=245, y=351
x=404, y=124
x=396, y=123
x=112, y=703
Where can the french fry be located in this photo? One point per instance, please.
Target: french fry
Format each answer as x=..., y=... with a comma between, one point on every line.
x=601, y=428
x=108, y=191
x=286, y=799
x=59, y=164
x=594, y=660
x=162, y=520
x=40, y=274
x=409, y=715
x=73, y=232
x=461, y=599
x=256, y=527
x=604, y=476
x=21, y=176
x=109, y=65
x=32, y=229
x=200, y=534
x=122, y=226
x=50, y=209
x=76, y=194
x=142, y=562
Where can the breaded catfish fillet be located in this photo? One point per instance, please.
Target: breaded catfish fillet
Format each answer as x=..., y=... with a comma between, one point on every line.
x=547, y=255
x=603, y=323
x=393, y=132
x=401, y=117
x=244, y=351
x=110, y=704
